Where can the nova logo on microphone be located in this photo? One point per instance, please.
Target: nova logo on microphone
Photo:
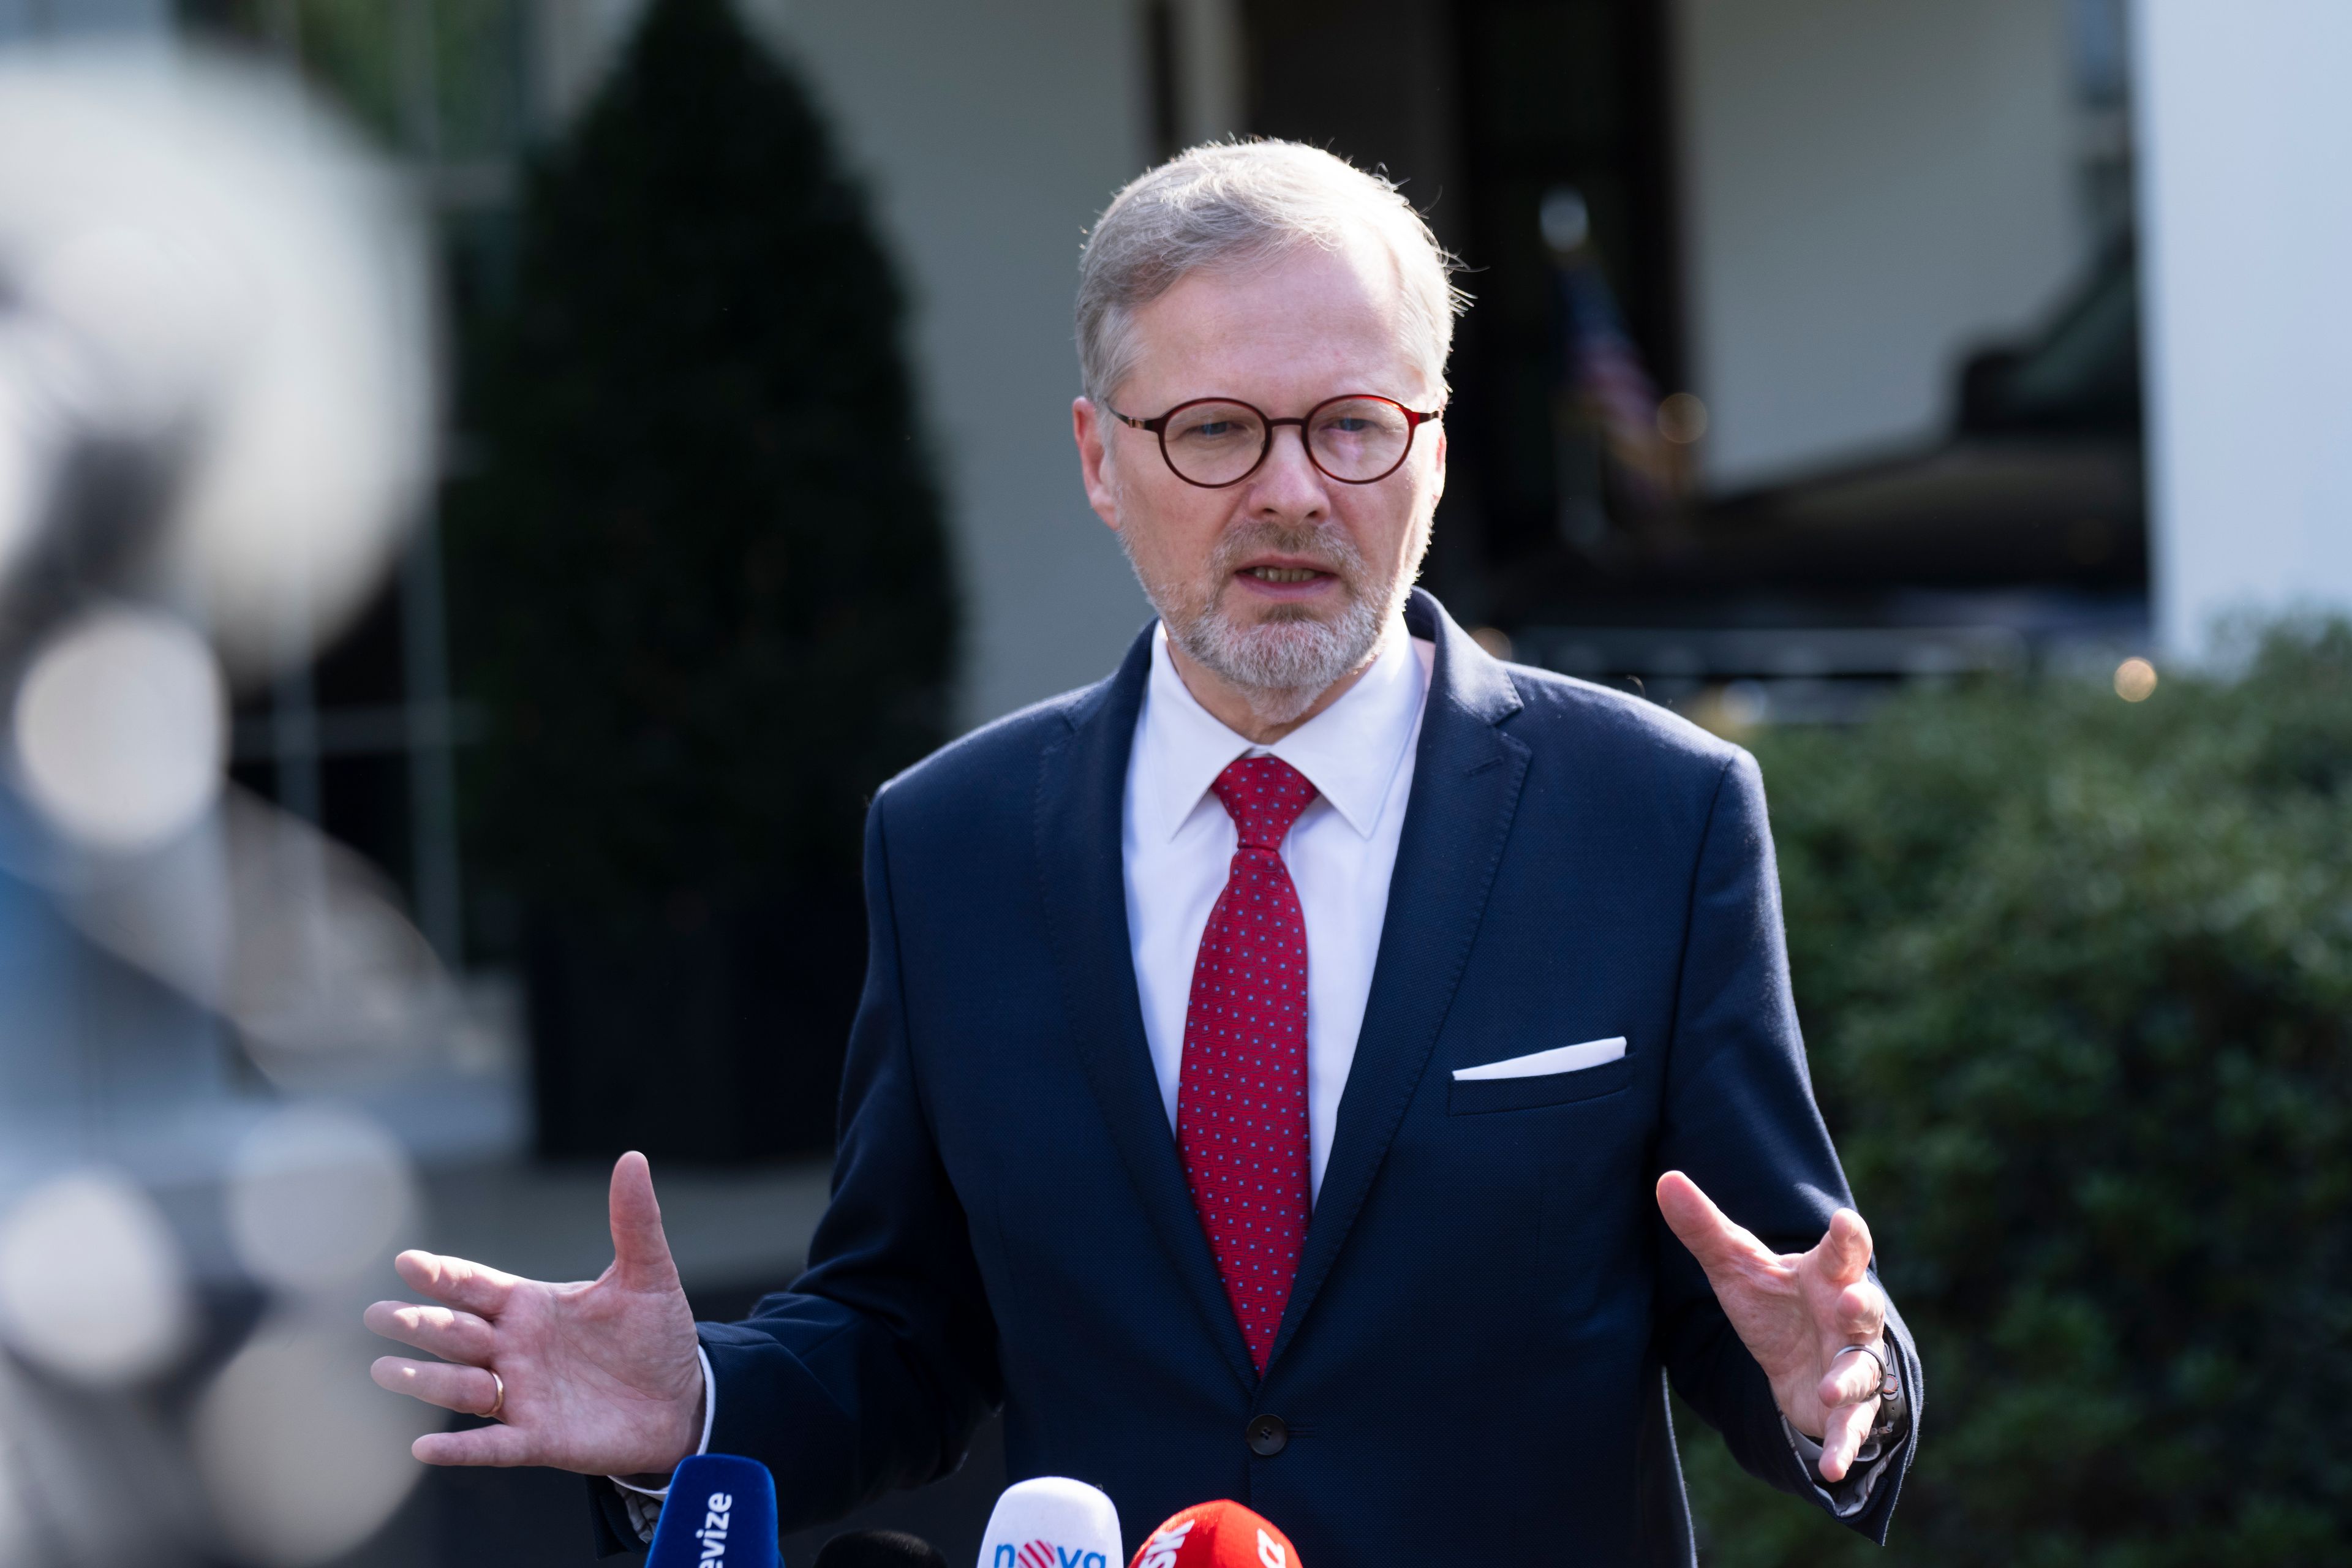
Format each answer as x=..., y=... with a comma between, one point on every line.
x=1046, y=1554
x=1052, y=1521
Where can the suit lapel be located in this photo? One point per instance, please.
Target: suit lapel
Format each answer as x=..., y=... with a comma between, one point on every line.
x=1465, y=789
x=1081, y=793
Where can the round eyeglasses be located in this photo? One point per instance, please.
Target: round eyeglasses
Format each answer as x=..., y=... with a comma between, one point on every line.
x=1213, y=442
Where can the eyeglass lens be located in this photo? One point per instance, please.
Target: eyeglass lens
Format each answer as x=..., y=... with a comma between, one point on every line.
x=1354, y=439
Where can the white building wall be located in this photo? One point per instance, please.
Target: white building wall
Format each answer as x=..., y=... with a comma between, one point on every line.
x=1872, y=188
x=989, y=137
x=2245, y=130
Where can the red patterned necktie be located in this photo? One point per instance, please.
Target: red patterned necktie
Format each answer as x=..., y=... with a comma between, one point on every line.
x=1241, y=1096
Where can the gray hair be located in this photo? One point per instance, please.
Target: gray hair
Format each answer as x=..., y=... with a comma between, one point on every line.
x=1233, y=205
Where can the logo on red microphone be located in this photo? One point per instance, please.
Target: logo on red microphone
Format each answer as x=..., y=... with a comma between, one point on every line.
x=1221, y=1534
x=1166, y=1544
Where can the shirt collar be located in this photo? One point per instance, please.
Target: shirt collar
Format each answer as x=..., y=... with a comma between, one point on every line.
x=1350, y=752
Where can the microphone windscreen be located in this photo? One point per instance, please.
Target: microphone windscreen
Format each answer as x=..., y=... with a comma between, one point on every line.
x=1217, y=1535
x=1050, y=1522
x=880, y=1549
x=720, y=1513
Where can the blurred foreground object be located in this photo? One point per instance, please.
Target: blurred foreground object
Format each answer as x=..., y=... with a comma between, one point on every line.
x=214, y=319
x=216, y=416
x=216, y=407
x=701, y=589
x=2075, y=974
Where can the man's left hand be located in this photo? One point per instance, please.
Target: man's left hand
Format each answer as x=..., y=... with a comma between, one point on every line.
x=1795, y=1312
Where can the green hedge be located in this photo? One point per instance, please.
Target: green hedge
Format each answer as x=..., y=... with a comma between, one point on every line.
x=2075, y=975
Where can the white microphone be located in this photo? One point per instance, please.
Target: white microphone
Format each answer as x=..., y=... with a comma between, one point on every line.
x=1051, y=1522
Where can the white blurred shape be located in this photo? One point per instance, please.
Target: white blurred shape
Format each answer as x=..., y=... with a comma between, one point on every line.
x=121, y=729
x=246, y=278
x=1565, y=221
x=162, y=312
x=303, y=1456
x=295, y=939
x=1747, y=703
x=316, y=1196
x=93, y=1285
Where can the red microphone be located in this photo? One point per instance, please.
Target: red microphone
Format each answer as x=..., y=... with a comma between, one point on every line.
x=1217, y=1535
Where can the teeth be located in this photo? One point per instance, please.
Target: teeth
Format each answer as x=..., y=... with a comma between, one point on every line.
x=1283, y=573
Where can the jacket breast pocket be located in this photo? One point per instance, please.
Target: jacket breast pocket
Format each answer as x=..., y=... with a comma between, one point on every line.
x=1475, y=1097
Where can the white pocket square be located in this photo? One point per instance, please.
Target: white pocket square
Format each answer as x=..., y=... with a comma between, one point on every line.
x=1559, y=1058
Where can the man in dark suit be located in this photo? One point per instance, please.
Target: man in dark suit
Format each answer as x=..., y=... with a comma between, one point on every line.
x=1292, y=1070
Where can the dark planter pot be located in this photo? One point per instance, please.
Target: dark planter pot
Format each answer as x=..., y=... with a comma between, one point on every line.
x=696, y=1035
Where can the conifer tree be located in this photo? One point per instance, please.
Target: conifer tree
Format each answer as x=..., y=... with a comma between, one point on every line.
x=701, y=580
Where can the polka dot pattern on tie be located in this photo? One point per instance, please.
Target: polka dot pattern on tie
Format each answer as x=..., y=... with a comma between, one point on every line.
x=1241, y=1099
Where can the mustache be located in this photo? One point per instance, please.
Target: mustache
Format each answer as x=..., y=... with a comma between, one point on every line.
x=1327, y=546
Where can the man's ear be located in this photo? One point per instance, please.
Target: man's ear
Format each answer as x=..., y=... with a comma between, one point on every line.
x=1094, y=460
x=1437, y=473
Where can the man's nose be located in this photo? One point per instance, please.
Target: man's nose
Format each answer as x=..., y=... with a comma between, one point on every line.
x=1288, y=482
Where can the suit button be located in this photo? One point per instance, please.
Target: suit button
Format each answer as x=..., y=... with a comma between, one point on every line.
x=1268, y=1436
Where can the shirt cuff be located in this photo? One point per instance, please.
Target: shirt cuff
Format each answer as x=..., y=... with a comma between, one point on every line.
x=709, y=1413
x=1850, y=1496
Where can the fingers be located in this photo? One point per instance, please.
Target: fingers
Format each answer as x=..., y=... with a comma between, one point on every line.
x=1853, y=1378
x=1709, y=1234
x=468, y=1390
x=1848, y=1429
x=1845, y=1250
x=492, y=1444
x=641, y=1258
x=1860, y=1315
x=437, y=1330
x=472, y=1286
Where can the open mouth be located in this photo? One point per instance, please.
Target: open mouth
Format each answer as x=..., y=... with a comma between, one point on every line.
x=1284, y=574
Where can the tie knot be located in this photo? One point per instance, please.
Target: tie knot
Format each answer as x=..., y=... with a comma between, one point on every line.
x=1264, y=796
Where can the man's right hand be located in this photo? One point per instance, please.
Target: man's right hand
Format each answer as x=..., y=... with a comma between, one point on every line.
x=602, y=1377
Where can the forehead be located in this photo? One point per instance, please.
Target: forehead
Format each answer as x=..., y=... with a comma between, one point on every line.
x=1307, y=323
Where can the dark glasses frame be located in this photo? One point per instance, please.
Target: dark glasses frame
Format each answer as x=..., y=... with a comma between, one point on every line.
x=1414, y=420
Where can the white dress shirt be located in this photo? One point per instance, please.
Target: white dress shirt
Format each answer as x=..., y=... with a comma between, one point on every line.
x=1177, y=845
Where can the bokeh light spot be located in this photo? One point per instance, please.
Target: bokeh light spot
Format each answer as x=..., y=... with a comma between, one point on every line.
x=1683, y=418
x=303, y=1456
x=93, y=1285
x=316, y=1196
x=121, y=730
x=2135, y=680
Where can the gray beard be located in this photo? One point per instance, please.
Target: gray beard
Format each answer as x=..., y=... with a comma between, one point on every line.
x=1287, y=661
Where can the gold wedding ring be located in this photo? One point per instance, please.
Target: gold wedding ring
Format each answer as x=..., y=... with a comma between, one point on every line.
x=500, y=1402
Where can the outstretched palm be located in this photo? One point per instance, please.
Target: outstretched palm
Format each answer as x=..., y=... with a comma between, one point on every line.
x=600, y=1377
x=1794, y=1312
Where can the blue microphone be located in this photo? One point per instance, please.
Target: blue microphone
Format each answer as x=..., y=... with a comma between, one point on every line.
x=722, y=1513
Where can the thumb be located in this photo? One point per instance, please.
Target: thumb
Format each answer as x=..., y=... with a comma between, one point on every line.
x=1845, y=1250
x=641, y=1260
x=1705, y=1229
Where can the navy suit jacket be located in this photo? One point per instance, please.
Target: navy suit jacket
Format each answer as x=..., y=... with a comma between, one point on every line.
x=1470, y=1364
